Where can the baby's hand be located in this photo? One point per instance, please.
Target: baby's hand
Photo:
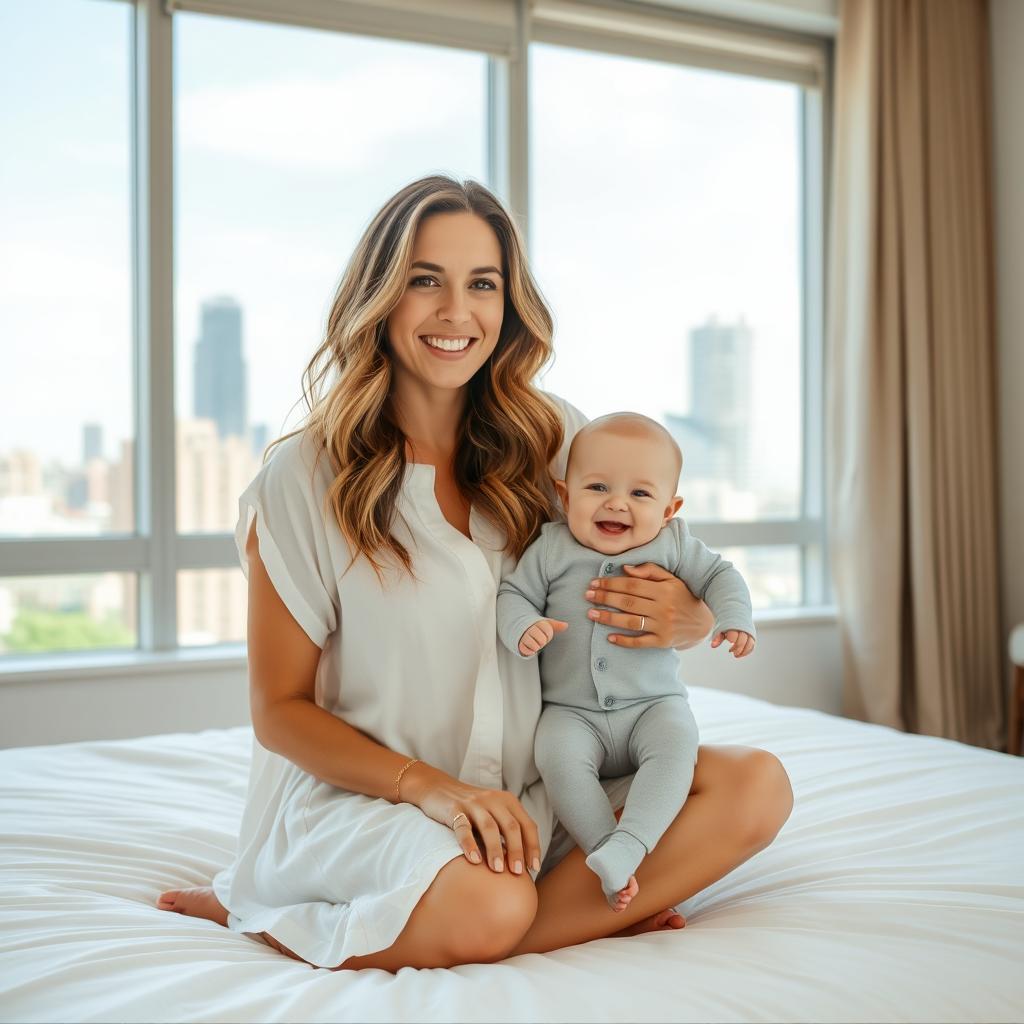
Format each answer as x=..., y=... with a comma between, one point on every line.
x=742, y=643
x=539, y=635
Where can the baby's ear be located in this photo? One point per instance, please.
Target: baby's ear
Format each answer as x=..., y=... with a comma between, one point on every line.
x=563, y=493
x=674, y=506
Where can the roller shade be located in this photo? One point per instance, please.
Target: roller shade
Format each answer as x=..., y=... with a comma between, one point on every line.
x=642, y=30
x=486, y=26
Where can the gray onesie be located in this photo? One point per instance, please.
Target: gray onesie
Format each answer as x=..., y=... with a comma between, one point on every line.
x=609, y=710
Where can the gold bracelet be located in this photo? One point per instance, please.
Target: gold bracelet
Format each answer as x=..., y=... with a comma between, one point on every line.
x=408, y=764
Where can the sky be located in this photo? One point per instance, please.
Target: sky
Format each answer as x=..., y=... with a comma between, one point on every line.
x=660, y=196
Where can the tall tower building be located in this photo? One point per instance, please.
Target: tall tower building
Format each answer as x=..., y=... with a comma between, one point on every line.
x=219, y=369
x=716, y=436
x=92, y=442
x=720, y=376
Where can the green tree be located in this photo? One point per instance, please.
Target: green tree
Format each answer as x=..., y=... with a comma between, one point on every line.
x=37, y=631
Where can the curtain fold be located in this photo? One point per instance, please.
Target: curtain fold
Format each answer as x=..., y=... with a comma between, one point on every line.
x=911, y=429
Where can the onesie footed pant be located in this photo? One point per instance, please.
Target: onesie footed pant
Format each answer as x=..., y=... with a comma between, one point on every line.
x=576, y=747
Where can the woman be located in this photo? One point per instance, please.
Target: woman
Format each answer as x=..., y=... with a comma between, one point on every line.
x=395, y=816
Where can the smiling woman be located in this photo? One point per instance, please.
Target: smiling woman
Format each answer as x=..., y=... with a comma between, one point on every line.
x=397, y=817
x=453, y=313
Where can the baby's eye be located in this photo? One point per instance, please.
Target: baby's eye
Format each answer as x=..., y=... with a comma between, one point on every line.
x=645, y=494
x=591, y=487
x=417, y=282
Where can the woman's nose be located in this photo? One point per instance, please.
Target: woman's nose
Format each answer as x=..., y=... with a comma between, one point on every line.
x=453, y=308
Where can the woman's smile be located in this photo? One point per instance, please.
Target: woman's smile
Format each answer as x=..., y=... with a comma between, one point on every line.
x=448, y=346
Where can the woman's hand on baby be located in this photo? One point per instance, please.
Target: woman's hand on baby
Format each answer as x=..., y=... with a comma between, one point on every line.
x=742, y=643
x=493, y=815
x=651, y=599
x=539, y=635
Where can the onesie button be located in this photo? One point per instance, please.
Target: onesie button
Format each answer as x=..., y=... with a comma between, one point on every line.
x=608, y=568
x=609, y=701
x=601, y=664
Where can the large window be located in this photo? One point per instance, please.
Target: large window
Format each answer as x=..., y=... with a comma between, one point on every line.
x=666, y=215
x=660, y=169
x=286, y=141
x=66, y=390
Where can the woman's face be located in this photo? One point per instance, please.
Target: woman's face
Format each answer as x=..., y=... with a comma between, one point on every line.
x=446, y=324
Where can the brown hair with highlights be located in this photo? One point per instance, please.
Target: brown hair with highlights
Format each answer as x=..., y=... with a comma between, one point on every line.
x=511, y=430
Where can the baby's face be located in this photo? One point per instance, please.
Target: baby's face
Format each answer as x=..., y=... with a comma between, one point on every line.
x=619, y=491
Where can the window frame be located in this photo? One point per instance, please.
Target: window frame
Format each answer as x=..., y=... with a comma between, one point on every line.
x=503, y=29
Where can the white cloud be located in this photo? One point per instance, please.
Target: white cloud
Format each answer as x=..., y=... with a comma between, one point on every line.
x=337, y=124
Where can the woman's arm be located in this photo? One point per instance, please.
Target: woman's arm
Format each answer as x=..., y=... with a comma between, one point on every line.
x=287, y=720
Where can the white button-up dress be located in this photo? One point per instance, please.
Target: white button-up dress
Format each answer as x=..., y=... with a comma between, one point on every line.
x=417, y=666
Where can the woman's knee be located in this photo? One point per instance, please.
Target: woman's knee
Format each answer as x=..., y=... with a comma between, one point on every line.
x=488, y=914
x=767, y=797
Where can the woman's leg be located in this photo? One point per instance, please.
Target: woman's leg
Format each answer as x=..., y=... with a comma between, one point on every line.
x=469, y=914
x=738, y=801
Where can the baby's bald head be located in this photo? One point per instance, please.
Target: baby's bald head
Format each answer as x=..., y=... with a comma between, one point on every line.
x=630, y=426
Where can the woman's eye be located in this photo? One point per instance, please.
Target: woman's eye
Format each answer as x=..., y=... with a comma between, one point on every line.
x=416, y=282
x=488, y=286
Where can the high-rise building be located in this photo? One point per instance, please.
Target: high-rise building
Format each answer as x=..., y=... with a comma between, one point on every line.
x=260, y=435
x=220, y=383
x=92, y=442
x=715, y=437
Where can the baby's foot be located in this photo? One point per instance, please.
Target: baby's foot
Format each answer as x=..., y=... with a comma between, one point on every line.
x=622, y=899
x=615, y=862
x=197, y=902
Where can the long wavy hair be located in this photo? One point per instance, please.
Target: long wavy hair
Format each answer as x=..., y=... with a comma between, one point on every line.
x=510, y=431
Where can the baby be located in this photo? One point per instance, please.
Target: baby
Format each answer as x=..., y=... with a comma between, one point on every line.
x=608, y=711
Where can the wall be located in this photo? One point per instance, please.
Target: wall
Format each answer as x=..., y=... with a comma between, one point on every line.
x=797, y=662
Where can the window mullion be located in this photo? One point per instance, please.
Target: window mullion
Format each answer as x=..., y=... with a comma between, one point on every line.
x=153, y=319
x=812, y=275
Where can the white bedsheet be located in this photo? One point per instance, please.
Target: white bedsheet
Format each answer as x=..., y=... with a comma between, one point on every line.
x=895, y=892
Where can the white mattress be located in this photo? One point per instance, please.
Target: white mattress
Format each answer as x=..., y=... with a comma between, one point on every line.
x=895, y=892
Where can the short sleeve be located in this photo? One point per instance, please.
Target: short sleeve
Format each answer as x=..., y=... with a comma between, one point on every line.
x=572, y=420
x=287, y=500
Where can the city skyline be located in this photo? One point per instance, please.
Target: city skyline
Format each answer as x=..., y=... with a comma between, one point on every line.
x=238, y=144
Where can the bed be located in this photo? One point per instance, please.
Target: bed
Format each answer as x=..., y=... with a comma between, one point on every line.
x=894, y=892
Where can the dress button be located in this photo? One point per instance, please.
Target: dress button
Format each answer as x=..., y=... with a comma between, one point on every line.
x=609, y=701
x=601, y=664
x=608, y=568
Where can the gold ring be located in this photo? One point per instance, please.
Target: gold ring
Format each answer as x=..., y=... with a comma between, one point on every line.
x=643, y=619
x=456, y=818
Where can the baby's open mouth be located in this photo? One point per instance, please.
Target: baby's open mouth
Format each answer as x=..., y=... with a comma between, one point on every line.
x=613, y=529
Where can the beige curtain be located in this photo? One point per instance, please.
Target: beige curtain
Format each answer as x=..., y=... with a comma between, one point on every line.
x=910, y=379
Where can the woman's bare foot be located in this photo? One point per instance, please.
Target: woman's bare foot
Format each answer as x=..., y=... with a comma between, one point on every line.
x=664, y=921
x=197, y=902
x=622, y=899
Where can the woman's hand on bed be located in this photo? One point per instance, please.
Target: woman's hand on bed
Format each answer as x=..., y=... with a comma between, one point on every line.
x=493, y=815
x=650, y=596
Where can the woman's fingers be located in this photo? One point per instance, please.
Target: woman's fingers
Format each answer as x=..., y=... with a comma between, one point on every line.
x=622, y=592
x=463, y=830
x=491, y=835
x=513, y=844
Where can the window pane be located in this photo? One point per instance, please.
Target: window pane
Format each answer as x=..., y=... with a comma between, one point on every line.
x=771, y=572
x=45, y=614
x=66, y=418
x=665, y=231
x=212, y=607
x=287, y=140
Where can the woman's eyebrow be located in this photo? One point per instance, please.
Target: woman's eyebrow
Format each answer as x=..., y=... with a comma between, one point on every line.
x=423, y=265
